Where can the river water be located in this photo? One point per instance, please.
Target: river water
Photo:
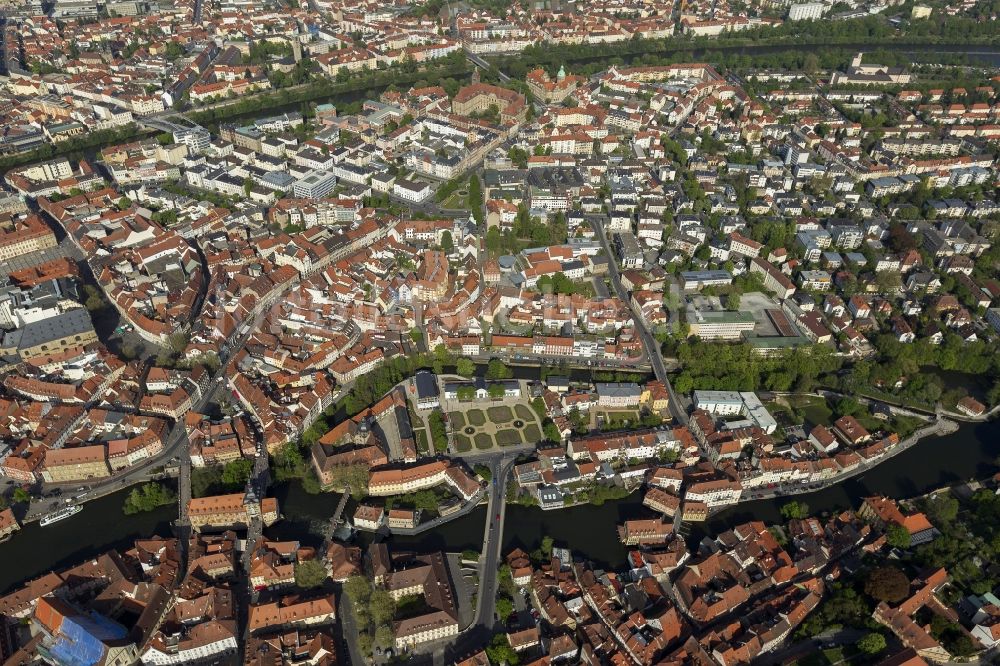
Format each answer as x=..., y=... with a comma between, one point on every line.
x=102, y=525
x=969, y=453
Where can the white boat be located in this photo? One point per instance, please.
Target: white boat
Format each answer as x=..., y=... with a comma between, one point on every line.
x=59, y=514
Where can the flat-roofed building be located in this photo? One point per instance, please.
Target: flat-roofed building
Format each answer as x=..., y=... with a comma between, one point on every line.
x=723, y=403
x=719, y=324
x=696, y=280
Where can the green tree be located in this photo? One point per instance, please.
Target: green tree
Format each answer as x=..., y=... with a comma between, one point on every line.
x=499, y=651
x=236, y=473
x=493, y=240
x=93, y=300
x=552, y=432
x=495, y=391
x=416, y=335
x=518, y=156
x=475, y=199
x=384, y=637
x=733, y=301
x=447, y=243
x=941, y=509
x=465, y=367
x=439, y=432
x=310, y=574
x=381, y=606
x=546, y=547
x=497, y=369
x=897, y=536
x=148, y=497
x=353, y=477
x=358, y=590
x=20, y=496
x=887, y=583
x=505, y=608
x=872, y=644
x=794, y=509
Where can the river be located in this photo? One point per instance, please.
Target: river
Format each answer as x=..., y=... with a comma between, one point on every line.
x=102, y=525
x=969, y=453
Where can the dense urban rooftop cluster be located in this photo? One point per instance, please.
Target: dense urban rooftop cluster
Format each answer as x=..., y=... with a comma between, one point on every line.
x=702, y=284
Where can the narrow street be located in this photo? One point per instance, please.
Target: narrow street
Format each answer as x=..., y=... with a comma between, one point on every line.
x=648, y=341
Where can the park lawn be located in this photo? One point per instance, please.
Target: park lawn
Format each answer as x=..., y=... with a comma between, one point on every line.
x=423, y=445
x=508, y=437
x=455, y=200
x=484, y=441
x=500, y=414
x=812, y=408
x=532, y=433
x=620, y=419
x=621, y=415
x=476, y=417
x=904, y=426
x=462, y=443
x=457, y=420
x=525, y=413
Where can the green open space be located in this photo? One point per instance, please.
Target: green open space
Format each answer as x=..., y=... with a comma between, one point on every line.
x=524, y=413
x=508, y=437
x=476, y=417
x=811, y=408
x=455, y=201
x=423, y=445
x=463, y=443
x=457, y=420
x=500, y=414
x=532, y=434
x=483, y=441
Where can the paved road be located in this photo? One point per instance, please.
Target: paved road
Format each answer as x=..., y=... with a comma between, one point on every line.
x=648, y=341
x=478, y=61
x=489, y=559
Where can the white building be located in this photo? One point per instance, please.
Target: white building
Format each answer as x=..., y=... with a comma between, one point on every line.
x=733, y=403
x=722, y=403
x=410, y=190
x=315, y=185
x=806, y=11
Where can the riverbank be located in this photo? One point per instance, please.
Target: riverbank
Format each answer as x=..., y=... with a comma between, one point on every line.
x=939, y=428
x=38, y=508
